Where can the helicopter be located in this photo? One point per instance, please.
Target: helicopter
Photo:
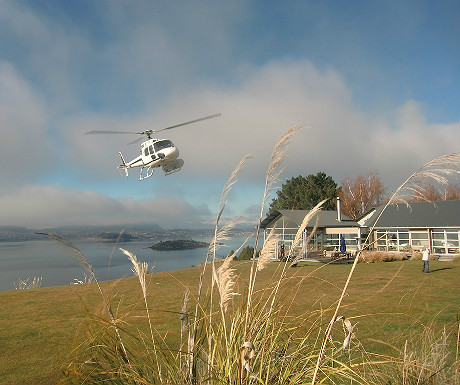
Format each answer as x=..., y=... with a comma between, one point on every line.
x=154, y=152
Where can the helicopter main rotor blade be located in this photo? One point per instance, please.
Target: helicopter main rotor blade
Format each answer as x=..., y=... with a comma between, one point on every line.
x=150, y=132
x=190, y=122
x=138, y=140
x=112, y=132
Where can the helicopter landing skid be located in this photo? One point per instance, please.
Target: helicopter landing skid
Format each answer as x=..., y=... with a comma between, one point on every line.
x=148, y=173
x=171, y=172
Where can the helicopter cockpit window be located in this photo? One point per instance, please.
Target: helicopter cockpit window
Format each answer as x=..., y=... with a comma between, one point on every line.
x=146, y=151
x=162, y=144
x=151, y=150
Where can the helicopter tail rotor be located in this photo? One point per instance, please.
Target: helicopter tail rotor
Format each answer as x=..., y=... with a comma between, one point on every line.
x=123, y=165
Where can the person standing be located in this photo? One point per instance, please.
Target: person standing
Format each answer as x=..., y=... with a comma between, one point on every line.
x=426, y=260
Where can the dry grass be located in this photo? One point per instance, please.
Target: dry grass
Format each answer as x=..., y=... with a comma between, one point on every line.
x=24, y=284
x=417, y=256
x=384, y=299
x=381, y=256
x=246, y=327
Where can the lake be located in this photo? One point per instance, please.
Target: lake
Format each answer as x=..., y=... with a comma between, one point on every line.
x=56, y=264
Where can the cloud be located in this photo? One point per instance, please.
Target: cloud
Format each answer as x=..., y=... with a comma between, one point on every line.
x=50, y=206
x=48, y=49
x=119, y=67
x=26, y=149
x=257, y=108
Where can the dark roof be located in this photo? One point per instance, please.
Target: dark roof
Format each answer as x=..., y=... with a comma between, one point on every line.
x=294, y=218
x=417, y=215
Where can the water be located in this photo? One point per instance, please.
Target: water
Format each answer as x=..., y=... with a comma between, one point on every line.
x=57, y=266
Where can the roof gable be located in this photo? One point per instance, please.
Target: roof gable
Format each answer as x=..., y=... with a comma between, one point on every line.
x=294, y=218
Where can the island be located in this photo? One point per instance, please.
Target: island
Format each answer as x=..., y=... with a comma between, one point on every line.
x=178, y=244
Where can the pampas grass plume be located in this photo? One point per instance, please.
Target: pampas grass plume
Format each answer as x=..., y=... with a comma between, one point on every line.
x=268, y=250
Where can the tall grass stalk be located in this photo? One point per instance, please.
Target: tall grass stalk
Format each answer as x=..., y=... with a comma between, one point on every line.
x=24, y=284
x=272, y=178
x=220, y=234
x=89, y=268
x=297, y=238
x=438, y=169
x=140, y=269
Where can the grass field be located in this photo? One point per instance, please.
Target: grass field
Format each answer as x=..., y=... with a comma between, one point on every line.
x=390, y=302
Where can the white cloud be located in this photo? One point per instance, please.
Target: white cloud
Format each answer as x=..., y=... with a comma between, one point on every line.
x=47, y=49
x=49, y=206
x=257, y=109
x=148, y=67
x=26, y=149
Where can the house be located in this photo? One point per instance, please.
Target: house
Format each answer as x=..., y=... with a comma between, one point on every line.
x=405, y=228
x=397, y=227
x=331, y=227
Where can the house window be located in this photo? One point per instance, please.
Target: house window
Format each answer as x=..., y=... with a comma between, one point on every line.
x=403, y=241
x=381, y=240
x=331, y=242
x=419, y=239
x=392, y=237
x=392, y=240
x=445, y=241
x=452, y=242
x=439, y=242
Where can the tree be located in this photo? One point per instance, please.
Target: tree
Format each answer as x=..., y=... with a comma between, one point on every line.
x=359, y=195
x=430, y=192
x=451, y=192
x=304, y=193
x=246, y=254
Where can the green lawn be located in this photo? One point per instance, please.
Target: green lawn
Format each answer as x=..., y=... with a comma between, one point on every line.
x=390, y=301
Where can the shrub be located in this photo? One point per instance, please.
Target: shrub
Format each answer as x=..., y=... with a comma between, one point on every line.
x=246, y=254
x=381, y=256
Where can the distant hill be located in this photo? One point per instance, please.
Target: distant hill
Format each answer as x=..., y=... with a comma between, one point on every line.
x=108, y=236
x=14, y=229
x=133, y=232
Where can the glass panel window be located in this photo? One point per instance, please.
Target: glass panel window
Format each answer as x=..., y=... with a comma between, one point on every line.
x=445, y=241
x=160, y=145
x=403, y=241
x=452, y=242
x=452, y=237
x=392, y=237
x=381, y=240
x=419, y=239
x=331, y=242
x=351, y=240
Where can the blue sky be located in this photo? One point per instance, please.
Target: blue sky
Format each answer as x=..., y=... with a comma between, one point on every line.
x=378, y=84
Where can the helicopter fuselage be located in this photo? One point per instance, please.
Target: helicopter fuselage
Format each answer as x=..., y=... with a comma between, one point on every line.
x=155, y=153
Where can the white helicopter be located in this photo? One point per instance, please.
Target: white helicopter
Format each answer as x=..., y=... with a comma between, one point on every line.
x=154, y=152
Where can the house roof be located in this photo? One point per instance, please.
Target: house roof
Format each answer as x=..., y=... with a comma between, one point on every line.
x=416, y=215
x=294, y=218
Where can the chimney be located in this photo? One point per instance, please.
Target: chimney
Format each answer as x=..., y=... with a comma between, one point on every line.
x=339, y=213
